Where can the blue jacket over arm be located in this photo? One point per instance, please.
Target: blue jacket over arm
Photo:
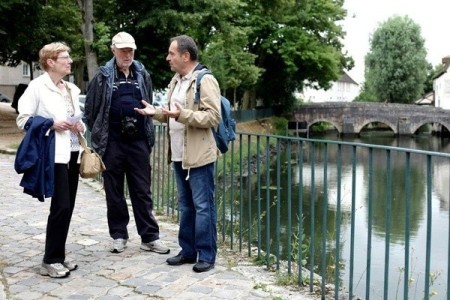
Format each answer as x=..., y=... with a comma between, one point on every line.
x=35, y=158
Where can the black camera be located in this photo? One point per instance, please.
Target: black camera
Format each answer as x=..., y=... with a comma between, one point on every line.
x=129, y=128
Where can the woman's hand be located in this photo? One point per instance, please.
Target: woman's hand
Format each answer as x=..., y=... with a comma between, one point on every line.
x=77, y=127
x=62, y=125
x=65, y=125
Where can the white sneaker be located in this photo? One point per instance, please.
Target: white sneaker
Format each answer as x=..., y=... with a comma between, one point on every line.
x=118, y=245
x=54, y=270
x=71, y=266
x=155, y=246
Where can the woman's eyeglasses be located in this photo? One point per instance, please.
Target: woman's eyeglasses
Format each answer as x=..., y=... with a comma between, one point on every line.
x=67, y=57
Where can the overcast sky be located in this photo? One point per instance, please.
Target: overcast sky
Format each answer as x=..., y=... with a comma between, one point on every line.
x=364, y=17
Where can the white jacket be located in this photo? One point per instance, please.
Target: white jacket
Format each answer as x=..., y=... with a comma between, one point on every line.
x=43, y=98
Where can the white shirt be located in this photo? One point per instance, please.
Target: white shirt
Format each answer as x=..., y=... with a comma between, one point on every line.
x=176, y=128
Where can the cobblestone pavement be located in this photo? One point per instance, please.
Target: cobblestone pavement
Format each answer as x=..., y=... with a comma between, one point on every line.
x=132, y=274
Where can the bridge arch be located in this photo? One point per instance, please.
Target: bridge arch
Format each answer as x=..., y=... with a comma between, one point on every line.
x=332, y=122
x=430, y=121
x=392, y=126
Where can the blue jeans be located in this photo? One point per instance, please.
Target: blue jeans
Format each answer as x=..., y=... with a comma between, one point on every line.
x=198, y=231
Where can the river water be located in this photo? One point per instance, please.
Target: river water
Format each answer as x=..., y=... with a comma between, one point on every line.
x=417, y=208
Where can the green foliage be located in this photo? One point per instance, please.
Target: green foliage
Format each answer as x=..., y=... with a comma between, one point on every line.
x=366, y=95
x=396, y=66
x=62, y=20
x=37, y=23
x=266, y=259
x=285, y=279
x=21, y=39
x=232, y=65
x=280, y=125
x=295, y=41
x=320, y=126
x=257, y=49
x=265, y=48
x=236, y=146
x=152, y=23
x=103, y=41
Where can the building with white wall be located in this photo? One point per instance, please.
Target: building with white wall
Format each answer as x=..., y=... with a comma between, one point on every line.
x=344, y=90
x=10, y=77
x=441, y=86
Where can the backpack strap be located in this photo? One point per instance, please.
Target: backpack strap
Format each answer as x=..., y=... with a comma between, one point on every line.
x=200, y=75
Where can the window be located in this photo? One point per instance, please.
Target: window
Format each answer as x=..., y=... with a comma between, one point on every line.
x=25, y=70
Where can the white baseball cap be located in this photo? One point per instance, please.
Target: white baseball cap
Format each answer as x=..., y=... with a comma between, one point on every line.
x=123, y=40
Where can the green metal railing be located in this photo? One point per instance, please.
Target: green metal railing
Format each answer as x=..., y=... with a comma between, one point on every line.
x=295, y=204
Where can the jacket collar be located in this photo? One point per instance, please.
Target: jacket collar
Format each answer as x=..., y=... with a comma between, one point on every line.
x=197, y=68
x=48, y=82
x=109, y=69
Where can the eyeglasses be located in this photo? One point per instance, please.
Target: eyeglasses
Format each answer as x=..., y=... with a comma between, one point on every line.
x=64, y=57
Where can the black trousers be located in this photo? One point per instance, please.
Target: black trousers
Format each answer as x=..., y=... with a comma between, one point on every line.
x=130, y=159
x=61, y=209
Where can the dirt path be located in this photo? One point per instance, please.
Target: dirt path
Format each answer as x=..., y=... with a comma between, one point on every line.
x=10, y=135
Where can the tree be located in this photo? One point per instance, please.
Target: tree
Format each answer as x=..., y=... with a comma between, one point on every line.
x=233, y=66
x=295, y=41
x=396, y=66
x=87, y=28
x=152, y=23
x=37, y=22
x=21, y=38
x=259, y=49
x=366, y=94
x=267, y=48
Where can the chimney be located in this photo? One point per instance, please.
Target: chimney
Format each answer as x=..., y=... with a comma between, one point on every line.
x=446, y=61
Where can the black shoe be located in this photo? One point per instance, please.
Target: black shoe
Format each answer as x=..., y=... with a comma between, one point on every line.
x=202, y=266
x=180, y=259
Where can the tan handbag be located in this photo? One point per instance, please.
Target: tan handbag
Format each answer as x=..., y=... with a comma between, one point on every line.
x=91, y=162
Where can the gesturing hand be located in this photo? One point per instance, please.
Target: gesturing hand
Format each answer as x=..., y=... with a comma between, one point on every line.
x=148, y=110
x=174, y=113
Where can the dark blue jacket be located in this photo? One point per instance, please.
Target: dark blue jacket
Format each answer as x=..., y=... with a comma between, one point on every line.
x=35, y=158
x=98, y=103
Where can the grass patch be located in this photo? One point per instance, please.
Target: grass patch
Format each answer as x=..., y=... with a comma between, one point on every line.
x=13, y=146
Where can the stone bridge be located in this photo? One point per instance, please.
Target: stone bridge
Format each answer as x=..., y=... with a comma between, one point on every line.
x=352, y=117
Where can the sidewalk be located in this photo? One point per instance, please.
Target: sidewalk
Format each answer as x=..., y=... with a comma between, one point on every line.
x=132, y=274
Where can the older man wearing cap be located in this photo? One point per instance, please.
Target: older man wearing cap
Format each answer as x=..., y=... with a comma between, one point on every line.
x=124, y=140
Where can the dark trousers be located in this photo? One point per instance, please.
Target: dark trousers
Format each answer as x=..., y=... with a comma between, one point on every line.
x=61, y=209
x=130, y=159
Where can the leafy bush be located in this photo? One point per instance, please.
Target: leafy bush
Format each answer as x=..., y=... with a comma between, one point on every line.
x=280, y=125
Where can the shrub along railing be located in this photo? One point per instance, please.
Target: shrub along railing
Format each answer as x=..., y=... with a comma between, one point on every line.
x=369, y=220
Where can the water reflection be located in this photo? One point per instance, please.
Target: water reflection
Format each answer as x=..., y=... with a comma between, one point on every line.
x=397, y=195
x=315, y=185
